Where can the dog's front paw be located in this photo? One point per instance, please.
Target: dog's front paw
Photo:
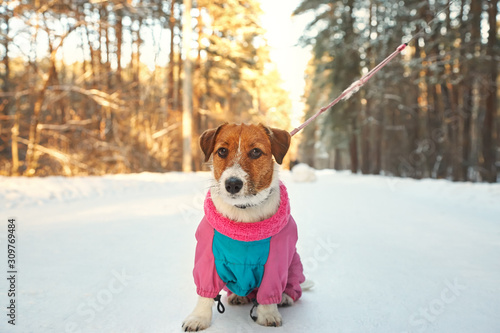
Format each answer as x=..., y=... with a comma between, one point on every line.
x=268, y=315
x=237, y=300
x=195, y=323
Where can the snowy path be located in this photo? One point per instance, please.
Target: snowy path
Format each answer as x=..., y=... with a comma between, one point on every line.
x=115, y=254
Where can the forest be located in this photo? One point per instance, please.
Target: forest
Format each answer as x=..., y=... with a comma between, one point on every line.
x=103, y=86
x=432, y=113
x=96, y=87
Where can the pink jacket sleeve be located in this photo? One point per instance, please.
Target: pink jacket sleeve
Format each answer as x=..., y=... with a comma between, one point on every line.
x=283, y=269
x=208, y=282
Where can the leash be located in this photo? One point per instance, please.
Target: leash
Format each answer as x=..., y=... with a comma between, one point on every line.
x=353, y=88
x=356, y=85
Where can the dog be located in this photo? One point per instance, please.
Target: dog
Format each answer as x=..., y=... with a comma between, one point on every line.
x=246, y=240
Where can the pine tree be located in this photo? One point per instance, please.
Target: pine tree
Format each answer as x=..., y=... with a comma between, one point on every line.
x=431, y=112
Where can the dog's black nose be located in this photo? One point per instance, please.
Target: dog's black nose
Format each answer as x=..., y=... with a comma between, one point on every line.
x=234, y=185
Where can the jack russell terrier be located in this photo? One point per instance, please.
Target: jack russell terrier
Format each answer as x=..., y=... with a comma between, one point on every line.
x=246, y=240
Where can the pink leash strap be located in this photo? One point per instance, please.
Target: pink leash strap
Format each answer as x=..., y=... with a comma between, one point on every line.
x=353, y=88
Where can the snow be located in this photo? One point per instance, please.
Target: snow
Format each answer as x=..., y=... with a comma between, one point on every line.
x=303, y=173
x=115, y=254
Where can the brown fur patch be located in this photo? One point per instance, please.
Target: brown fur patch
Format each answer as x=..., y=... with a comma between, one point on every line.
x=239, y=140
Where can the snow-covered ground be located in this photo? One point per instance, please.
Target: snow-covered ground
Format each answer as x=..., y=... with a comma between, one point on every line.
x=115, y=254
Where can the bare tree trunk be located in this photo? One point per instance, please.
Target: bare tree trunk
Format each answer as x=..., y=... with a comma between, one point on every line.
x=174, y=159
x=465, y=100
x=488, y=144
x=187, y=91
x=6, y=61
x=6, y=84
x=354, y=103
x=376, y=113
x=439, y=135
x=474, y=48
x=434, y=111
x=353, y=147
x=366, y=127
x=119, y=42
x=365, y=139
x=450, y=106
x=338, y=159
x=197, y=99
x=14, y=146
x=466, y=133
x=103, y=77
x=171, y=64
x=416, y=124
x=378, y=139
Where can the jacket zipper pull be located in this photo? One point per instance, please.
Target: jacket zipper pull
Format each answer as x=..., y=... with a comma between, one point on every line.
x=220, y=306
x=255, y=304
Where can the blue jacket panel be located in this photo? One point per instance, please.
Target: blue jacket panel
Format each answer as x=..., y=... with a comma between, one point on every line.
x=240, y=264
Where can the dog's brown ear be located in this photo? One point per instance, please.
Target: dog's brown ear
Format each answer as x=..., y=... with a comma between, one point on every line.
x=280, y=142
x=207, y=141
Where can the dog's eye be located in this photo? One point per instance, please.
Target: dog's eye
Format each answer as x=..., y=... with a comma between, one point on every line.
x=255, y=153
x=222, y=152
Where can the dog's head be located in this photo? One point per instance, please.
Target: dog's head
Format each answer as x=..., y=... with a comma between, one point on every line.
x=243, y=164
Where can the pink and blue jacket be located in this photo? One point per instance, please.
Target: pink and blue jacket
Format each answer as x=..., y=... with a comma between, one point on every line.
x=258, y=260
